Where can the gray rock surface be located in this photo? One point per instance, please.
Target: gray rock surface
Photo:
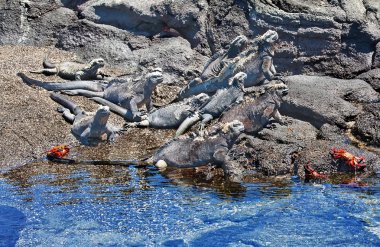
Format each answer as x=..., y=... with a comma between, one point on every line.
x=294, y=131
x=321, y=100
x=266, y=157
x=368, y=124
x=317, y=39
x=372, y=77
x=329, y=37
x=318, y=153
x=336, y=38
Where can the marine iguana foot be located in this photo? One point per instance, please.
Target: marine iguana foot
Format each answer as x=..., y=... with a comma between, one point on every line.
x=271, y=125
x=136, y=116
x=130, y=125
x=245, y=137
x=61, y=109
x=202, y=131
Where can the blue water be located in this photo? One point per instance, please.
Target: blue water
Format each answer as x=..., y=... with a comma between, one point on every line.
x=61, y=205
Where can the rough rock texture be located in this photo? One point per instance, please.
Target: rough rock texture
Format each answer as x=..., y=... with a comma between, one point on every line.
x=330, y=37
x=372, y=77
x=339, y=38
x=30, y=124
x=321, y=100
x=265, y=158
x=318, y=153
x=317, y=39
x=133, y=52
x=294, y=131
x=368, y=124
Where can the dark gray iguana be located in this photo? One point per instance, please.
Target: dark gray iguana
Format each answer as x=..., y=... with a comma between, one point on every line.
x=186, y=152
x=217, y=62
x=130, y=95
x=167, y=117
x=255, y=114
x=219, y=102
x=96, y=86
x=89, y=128
x=256, y=61
x=73, y=70
x=220, y=59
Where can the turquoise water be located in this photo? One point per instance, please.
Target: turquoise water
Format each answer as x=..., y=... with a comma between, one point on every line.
x=48, y=204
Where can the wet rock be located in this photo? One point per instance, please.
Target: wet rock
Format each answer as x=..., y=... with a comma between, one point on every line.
x=266, y=157
x=367, y=125
x=372, y=77
x=320, y=100
x=318, y=154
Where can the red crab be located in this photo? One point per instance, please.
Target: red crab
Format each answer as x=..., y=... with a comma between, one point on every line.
x=58, y=151
x=311, y=173
x=348, y=158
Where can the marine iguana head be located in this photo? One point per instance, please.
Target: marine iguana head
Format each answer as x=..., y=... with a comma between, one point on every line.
x=280, y=88
x=276, y=91
x=270, y=36
x=237, y=46
x=101, y=117
x=199, y=100
x=238, y=80
x=97, y=63
x=155, y=77
x=266, y=42
x=232, y=129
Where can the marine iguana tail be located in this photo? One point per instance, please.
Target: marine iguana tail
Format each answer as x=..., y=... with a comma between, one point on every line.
x=89, y=128
x=48, y=64
x=127, y=115
x=96, y=86
x=74, y=108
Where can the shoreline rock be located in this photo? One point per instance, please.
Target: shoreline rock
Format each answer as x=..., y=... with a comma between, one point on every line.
x=321, y=45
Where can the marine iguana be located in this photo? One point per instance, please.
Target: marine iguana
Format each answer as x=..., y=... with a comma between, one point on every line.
x=219, y=102
x=186, y=152
x=217, y=62
x=256, y=62
x=255, y=114
x=89, y=128
x=96, y=86
x=73, y=70
x=130, y=95
x=167, y=117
